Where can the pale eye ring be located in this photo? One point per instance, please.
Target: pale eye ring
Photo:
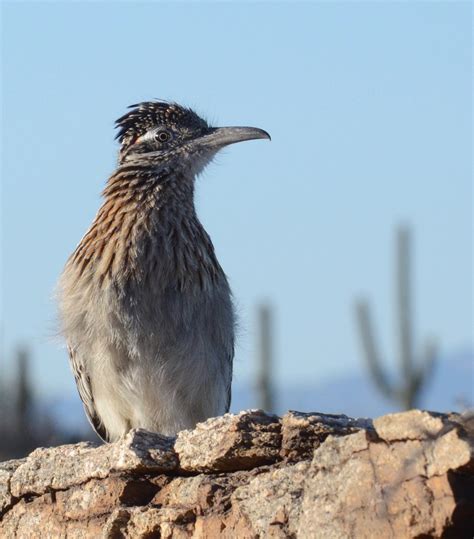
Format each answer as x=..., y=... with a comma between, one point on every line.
x=163, y=136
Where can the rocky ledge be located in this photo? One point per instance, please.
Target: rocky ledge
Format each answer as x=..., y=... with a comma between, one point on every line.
x=254, y=475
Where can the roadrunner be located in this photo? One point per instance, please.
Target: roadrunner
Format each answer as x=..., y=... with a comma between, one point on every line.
x=145, y=307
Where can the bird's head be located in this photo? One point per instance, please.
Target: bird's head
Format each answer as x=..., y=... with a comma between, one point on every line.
x=157, y=132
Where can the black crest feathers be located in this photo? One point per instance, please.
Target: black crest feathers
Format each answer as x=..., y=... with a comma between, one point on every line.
x=150, y=114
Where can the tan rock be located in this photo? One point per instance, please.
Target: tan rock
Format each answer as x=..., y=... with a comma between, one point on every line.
x=253, y=475
x=302, y=432
x=7, y=470
x=61, y=467
x=230, y=442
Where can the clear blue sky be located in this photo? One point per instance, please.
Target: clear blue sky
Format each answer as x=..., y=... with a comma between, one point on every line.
x=369, y=107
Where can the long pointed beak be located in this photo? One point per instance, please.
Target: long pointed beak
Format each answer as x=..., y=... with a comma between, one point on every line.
x=218, y=137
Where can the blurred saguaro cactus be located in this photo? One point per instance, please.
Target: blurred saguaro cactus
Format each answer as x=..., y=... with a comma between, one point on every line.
x=265, y=358
x=24, y=392
x=17, y=424
x=413, y=374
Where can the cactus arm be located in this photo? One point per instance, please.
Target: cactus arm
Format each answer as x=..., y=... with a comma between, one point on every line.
x=370, y=349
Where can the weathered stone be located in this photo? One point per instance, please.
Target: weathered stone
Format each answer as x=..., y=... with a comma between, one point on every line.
x=302, y=432
x=412, y=425
x=271, y=501
x=253, y=475
x=230, y=442
x=395, y=485
x=7, y=469
x=61, y=467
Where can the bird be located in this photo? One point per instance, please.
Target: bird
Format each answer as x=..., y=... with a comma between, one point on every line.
x=145, y=308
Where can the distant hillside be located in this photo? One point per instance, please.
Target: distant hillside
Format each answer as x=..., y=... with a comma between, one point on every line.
x=451, y=388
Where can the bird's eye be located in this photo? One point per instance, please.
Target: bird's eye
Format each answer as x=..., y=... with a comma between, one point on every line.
x=163, y=136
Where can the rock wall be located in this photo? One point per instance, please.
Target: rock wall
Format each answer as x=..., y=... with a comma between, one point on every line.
x=253, y=475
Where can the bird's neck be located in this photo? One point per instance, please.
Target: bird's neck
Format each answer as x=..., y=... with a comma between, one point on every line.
x=147, y=223
x=151, y=187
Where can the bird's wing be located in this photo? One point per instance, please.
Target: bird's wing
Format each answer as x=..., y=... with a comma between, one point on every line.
x=83, y=383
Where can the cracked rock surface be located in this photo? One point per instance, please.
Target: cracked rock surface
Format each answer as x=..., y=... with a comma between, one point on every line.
x=253, y=475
